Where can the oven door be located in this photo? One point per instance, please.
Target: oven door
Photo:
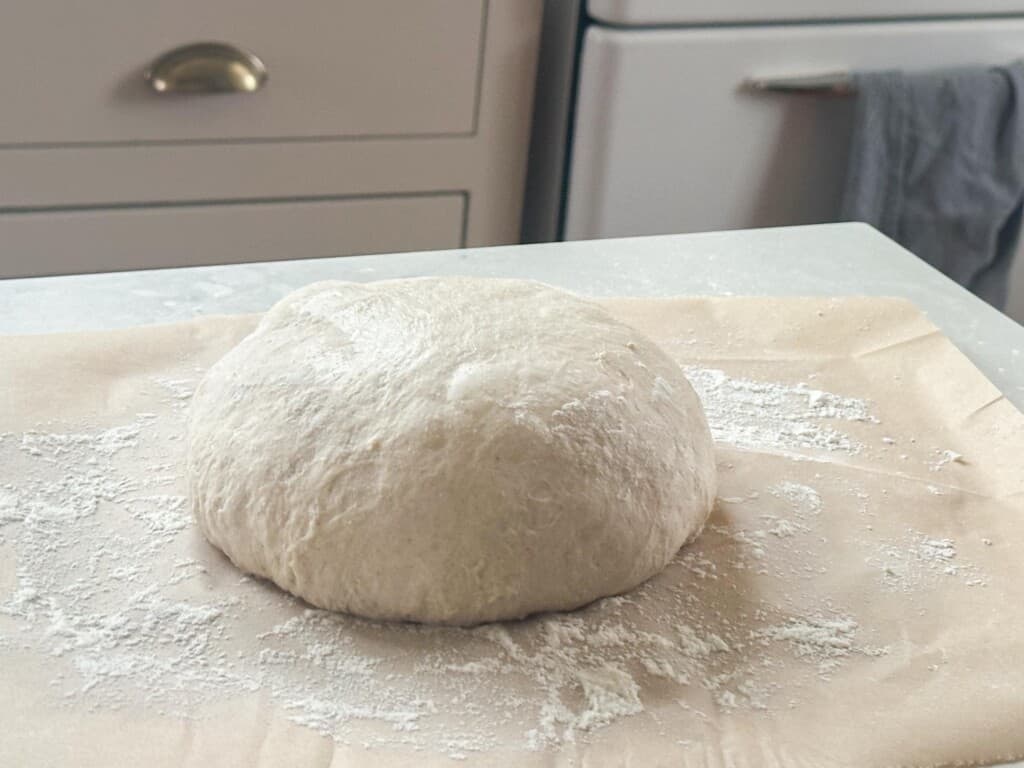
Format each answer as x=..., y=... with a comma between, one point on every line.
x=666, y=138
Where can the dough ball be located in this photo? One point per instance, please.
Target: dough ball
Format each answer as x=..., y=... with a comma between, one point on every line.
x=450, y=450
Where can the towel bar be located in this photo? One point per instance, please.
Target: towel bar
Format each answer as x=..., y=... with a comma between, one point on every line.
x=831, y=83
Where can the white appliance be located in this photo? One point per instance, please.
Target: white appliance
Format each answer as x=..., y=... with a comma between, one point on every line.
x=668, y=139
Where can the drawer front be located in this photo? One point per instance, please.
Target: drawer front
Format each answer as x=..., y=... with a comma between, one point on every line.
x=667, y=141
x=641, y=12
x=73, y=72
x=143, y=238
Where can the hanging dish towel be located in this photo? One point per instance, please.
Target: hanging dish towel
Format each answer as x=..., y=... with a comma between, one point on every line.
x=937, y=164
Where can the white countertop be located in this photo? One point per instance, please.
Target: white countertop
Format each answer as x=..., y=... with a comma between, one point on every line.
x=828, y=259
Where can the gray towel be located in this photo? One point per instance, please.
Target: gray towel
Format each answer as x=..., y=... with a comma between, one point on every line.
x=937, y=164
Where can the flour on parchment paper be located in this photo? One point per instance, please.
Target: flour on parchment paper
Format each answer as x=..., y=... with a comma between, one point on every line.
x=763, y=415
x=916, y=560
x=106, y=586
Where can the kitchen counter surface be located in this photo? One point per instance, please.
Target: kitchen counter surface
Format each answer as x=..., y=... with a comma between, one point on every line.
x=827, y=259
x=834, y=259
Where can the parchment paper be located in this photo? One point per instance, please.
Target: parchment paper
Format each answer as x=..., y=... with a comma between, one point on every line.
x=869, y=599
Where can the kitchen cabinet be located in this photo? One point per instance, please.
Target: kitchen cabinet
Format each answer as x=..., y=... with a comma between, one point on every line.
x=175, y=236
x=379, y=113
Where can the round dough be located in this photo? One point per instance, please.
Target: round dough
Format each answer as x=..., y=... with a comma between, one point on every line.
x=452, y=450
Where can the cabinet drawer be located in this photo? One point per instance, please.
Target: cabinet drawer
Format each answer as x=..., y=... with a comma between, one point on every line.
x=177, y=236
x=71, y=73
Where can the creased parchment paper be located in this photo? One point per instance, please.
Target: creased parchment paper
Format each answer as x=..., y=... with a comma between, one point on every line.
x=857, y=598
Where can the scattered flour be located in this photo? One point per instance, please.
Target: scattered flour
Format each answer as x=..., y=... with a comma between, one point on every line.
x=816, y=636
x=179, y=389
x=946, y=457
x=916, y=561
x=609, y=693
x=803, y=499
x=822, y=639
x=773, y=417
x=105, y=443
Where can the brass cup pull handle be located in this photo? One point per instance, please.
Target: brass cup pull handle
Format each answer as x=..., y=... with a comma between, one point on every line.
x=206, y=68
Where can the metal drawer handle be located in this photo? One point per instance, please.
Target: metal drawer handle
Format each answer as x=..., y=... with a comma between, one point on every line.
x=832, y=83
x=206, y=68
